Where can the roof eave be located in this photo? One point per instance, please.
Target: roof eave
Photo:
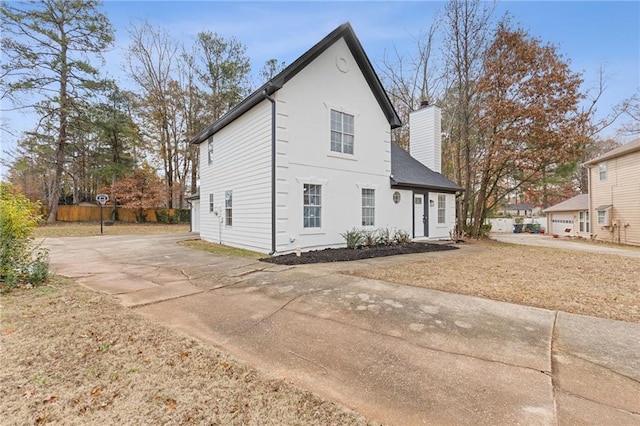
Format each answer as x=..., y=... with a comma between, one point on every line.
x=409, y=185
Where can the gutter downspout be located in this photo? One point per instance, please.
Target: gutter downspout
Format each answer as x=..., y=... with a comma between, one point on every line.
x=273, y=171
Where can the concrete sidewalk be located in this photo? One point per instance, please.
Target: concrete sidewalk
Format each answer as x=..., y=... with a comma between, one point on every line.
x=396, y=354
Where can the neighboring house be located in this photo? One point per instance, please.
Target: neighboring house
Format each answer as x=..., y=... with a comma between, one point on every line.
x=309, y=156
x=194, y=204
x=570, y=217
x=519, y=209
x=614, y=194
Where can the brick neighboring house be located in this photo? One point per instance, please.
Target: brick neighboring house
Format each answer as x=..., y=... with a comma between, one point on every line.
x=614, y=194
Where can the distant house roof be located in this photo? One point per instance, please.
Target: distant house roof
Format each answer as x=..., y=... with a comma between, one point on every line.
x=406, y=171
x=519, y=206
x=616, y=152
x=579, y=202
x=343, y=31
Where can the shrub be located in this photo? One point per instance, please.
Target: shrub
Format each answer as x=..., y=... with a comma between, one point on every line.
x=383, y=237
x=400, y=236
x=18, y=217
x=369, y=238
x=353, y=238
x=485, y=229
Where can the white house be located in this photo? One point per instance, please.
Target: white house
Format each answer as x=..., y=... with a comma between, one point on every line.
x=309, y=156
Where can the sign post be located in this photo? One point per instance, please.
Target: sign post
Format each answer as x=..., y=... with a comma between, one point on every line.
x=102, y=199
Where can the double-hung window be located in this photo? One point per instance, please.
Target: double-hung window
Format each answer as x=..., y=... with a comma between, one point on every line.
x=342, y=132
x=228, y=208
x=210, y=150
x=442, y=207
x=602, y=170
x=210, y=203
x=312, y=205
x=368, y=207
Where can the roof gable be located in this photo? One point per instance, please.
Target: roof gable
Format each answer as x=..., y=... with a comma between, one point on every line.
x=406, y=171
x=344, y=31
x=579, y=202
x=625, y=149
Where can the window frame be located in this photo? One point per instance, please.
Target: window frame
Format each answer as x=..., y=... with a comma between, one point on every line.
x=210, y=150
x=442, y=209
x=311, y=202
x=602, y=217
x=228, y=208
x=602, y=172
x=368, y=205
x=211, y=204
x=341, y=131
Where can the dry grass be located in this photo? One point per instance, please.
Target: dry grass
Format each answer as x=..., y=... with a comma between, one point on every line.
x=88, y=229
x=73, y=356
x=221, y=249
x=605, y=286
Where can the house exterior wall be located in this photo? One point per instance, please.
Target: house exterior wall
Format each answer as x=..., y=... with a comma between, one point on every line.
x=441, y=230
x=195, y=216
x=333, y=81
x=241, y=164
x=621, y=189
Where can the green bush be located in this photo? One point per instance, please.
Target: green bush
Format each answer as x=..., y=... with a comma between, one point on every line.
x=369, y=238
x=20, y=261
x=353, y=238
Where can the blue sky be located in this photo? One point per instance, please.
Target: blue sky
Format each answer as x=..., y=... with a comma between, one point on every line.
x=591, y=34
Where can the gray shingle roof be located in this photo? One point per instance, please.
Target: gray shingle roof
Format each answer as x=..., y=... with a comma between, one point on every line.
x=408, y=172
x=579, y=202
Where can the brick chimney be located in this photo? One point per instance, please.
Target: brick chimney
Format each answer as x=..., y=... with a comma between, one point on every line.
x=425, y=139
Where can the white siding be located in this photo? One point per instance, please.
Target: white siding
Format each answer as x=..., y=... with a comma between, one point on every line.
x=242, y=164
x=303, y=154
x=438, y=231
x=195, y=216
x=425, y=136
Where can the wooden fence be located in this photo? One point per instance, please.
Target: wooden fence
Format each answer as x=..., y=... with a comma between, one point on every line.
x=92, y=213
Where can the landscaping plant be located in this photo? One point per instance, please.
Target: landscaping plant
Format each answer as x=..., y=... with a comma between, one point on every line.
x=20, y=260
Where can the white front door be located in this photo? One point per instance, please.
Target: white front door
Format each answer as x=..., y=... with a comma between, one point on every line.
x=419, y=220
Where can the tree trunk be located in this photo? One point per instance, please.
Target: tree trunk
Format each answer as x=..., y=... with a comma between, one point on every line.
x=62, y=137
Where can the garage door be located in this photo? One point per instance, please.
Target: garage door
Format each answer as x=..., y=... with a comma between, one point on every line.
x=560, y=222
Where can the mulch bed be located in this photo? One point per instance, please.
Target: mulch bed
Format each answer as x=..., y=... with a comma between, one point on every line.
x=345, y=254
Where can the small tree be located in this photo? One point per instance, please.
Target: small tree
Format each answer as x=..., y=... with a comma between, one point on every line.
x=141, y=190
x=20, y=261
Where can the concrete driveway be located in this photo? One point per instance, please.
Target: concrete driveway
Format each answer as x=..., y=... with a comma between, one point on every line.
x=564, y=243
x=396, y=354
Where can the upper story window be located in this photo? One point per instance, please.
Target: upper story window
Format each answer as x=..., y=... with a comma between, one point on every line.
x=602, y=168
x=312, y=205
x=210, y=150
x=368, y=207
x=228, y=208
x=342, y=132
x=442, y=207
